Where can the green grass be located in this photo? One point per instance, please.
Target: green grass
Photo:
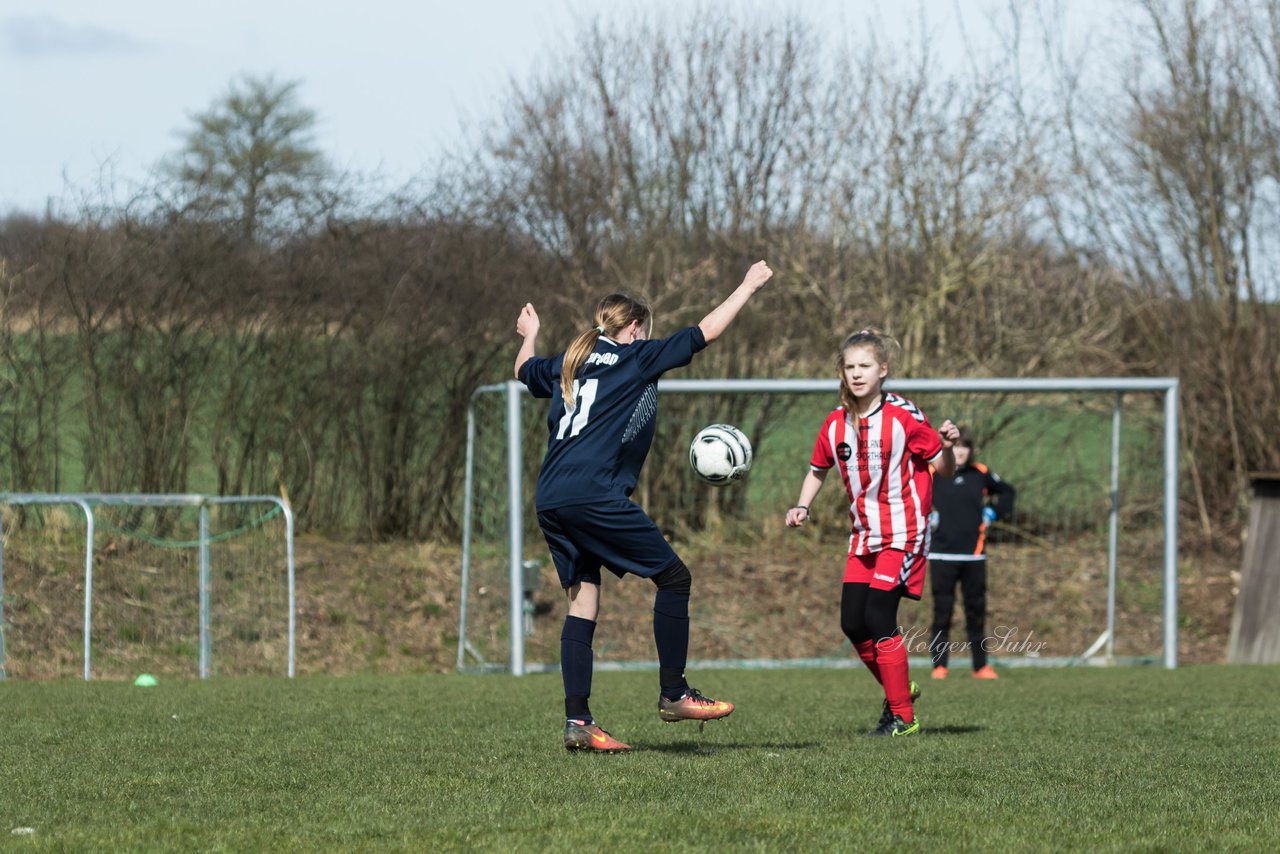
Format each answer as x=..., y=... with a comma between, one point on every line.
x=1126, y=759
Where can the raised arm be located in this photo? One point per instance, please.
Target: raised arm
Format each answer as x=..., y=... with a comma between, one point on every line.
x=945, y=462
x=718, y=320
x=527, y=328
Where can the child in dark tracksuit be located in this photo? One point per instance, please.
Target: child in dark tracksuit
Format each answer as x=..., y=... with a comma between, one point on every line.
x=963, y=506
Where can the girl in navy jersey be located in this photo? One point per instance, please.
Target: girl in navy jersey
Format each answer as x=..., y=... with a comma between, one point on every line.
x=601, y=423
x=884, y=447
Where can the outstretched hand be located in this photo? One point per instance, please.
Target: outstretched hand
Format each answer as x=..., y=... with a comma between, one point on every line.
x=719, y=318
x=527, y=323
x=527, y=328
x=949, y=434
x=757, y=275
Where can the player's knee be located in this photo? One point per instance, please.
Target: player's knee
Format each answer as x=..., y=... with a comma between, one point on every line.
x=882, y=613
x=881, y=623
x=854, y=628
x=880, y=628
x=675, y=579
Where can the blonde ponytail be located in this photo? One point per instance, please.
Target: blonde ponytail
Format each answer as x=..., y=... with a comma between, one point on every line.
x=613, y=314
x=579, y=348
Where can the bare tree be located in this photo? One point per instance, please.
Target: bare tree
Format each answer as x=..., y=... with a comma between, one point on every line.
x=1176, y=191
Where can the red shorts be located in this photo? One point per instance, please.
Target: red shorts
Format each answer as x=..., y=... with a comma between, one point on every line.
x=888, y=569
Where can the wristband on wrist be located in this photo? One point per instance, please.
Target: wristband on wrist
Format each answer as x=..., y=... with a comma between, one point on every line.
x=802, y=507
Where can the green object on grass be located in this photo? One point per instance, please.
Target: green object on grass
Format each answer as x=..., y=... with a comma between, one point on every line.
x=146, y=680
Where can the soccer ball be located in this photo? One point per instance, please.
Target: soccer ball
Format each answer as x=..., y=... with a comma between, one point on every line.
x=720, y=454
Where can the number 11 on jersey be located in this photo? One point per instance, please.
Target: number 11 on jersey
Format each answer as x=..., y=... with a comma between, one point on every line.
x=584, y=394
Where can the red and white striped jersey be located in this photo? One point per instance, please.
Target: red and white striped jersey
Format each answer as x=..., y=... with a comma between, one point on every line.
x=884, y=462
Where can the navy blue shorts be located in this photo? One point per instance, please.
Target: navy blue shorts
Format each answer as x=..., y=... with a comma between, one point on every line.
x=617, y=535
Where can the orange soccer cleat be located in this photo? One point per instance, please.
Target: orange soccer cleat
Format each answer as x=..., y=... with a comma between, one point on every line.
x=939, y=672
x=692, y=706
x=985, y=672
x=580, y=735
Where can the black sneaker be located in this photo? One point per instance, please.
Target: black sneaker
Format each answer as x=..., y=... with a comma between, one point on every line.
x=886, y=716
x=897, y=727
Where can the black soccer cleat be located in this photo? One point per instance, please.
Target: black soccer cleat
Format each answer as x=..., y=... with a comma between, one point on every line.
x=886, y=716
x=897, y=728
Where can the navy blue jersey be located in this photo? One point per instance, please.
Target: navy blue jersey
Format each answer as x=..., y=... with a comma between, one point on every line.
x=595, y=451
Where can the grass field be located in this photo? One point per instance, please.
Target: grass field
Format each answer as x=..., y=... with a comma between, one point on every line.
x=1097, y=759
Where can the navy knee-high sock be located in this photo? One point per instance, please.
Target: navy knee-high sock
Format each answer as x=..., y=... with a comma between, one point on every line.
x=576, y=662
x=671, y=634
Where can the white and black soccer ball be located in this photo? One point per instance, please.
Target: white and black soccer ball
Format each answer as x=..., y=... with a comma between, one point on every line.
x=720, y=454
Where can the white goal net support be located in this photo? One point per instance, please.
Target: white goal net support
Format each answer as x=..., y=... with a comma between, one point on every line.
x=1085, y=571
x=115, y=585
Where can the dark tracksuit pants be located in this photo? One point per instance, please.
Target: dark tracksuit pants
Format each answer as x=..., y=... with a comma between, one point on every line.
x=972, y=578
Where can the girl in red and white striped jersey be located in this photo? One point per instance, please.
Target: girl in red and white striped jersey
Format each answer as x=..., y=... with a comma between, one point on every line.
x=883, y=445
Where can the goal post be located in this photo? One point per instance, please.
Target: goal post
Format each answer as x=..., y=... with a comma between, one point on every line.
x=517, y=468
x=94, y=506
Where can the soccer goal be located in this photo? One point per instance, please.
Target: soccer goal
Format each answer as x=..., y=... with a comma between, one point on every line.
x=1085, y=572
x=115, y=585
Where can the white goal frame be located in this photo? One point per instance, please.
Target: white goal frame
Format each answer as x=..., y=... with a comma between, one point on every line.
x=1119, y=386
x=86, y=501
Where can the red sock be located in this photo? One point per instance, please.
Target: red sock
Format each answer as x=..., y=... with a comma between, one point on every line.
x=891, y=657
x=867, y=652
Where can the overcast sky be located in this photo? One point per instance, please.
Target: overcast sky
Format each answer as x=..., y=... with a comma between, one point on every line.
x=91, y=89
